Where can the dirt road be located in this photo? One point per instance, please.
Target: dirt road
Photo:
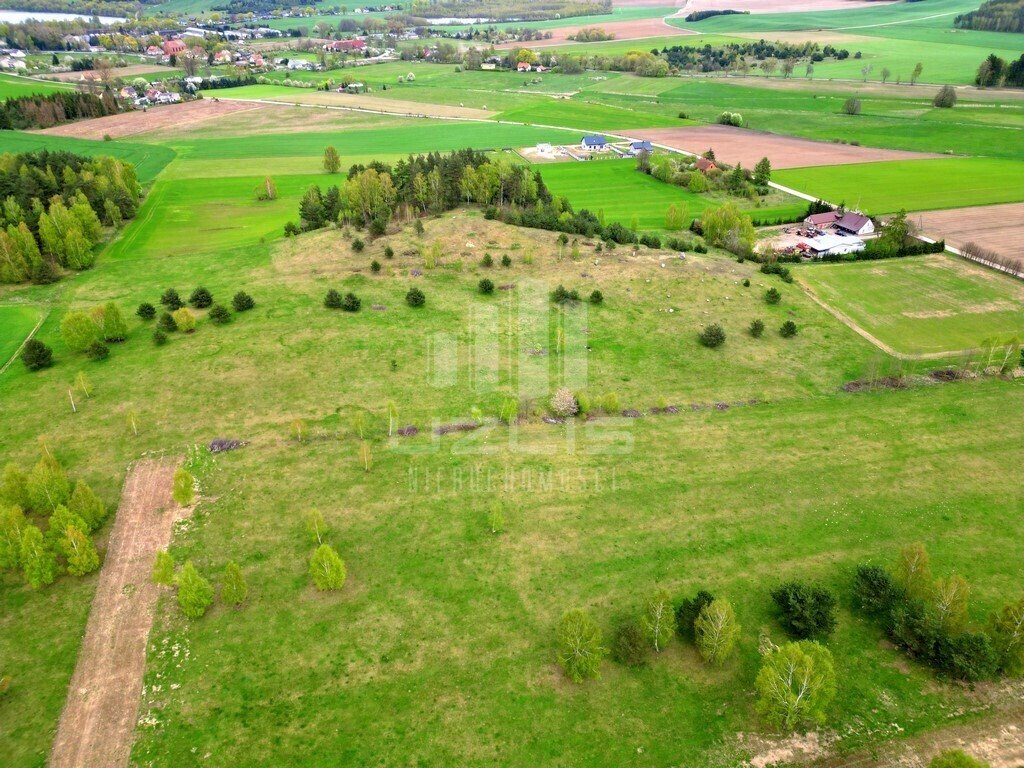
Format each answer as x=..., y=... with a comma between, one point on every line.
x=98, y=722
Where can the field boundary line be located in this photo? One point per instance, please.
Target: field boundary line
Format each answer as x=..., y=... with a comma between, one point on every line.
x=27, y=339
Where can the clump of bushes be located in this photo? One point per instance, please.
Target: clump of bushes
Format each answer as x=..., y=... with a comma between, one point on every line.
x=146, y=311
x=351, y=303
x=562, y=296
x=757, y=328
x=788, y=329
x=332, y=300
x=487, y=261
x=772, y=296
x=375, y=266
x=596, y=297
x=564, y=404
x=97, y=351
x=629, y=646
x=159, y=338
x=171, y=300
x=184, y=320
x=687, y=612
x=200, y=298
x=36, y=355
x=486, y=287
x=506, y=260
x=219, y=314
x=358, y=245
x=712, y=336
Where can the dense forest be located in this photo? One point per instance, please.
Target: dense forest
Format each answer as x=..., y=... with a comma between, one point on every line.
x=54, y=207
x=995, y=16
x=45, y=111
x=85, y=7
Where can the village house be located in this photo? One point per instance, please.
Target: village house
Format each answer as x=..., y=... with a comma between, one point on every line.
x=523, y=67
x=174, y=48
x=706, y=166
x=594, y=143
x=636, y=147
x=345, y=46
x=844, y=222
x=154, y=50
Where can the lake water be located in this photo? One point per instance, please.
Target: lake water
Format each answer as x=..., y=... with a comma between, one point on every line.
x=19, y=16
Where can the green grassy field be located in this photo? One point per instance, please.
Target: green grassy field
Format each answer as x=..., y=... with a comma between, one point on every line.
x=615, y=187
x=148, y=159
x=11, y=87
x=16, y=323
x=925, y=304
x=914, y=185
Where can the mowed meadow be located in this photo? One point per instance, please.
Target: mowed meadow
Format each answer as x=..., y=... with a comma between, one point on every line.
x=440, y=649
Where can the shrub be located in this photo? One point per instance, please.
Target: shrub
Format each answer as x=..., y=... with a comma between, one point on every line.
x=874, y=590
x=712, y=336
x=171, y=300
x=332, y=300
x=389, y=252
x=358, y=245
x=486, y=287
x=159, y=337
x=415, y=297
x=945, y=98
x=163, y=569
x=772, y=296
x=955, y=758
x=651, y=241
x=375, y=266
x=788, y=329
x=563, y=403
x=687, y=612
x=146, y=311
x=219, y=314
x=200, y=298
x=233, y=589
x=806, y=612
x=851, y=107
x=746, y=282
x=97, y=351
x=561, y=296
x=596, y=297
x=757, y=328
x=629, y=646
x=506, y=260
x=487, y=261
x=36, y=355
x=242, y=302
x=351, y=303
x=184, y=320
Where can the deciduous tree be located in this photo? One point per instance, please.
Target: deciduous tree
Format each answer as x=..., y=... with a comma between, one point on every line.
x=233, y=589
x=716, y=631
x=38, y=562
x=796, y=684
x=195, y=594
x=579, y=645
x=327, y=569
x=79, y=551
x=658, y=619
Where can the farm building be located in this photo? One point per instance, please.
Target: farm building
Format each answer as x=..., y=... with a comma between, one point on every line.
x=345, y=46
x=706, y=166
x=830, y=245
x=848, y=222
x=174, y=48
x=636, y=147
x=594, y=143
x=523, y=67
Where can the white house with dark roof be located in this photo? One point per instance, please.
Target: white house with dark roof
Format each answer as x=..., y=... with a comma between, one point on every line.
x=594, y=143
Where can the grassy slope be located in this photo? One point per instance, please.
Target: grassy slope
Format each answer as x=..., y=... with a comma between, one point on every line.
x=914, y=185
x=11, y=87
x=17, y=323
x=921, y=305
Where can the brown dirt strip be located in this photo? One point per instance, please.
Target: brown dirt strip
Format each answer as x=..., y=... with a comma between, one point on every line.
x=741, y=145
x=638, y=29
x=154, y=119
x=998, y=228
x=98, y=722
x=777, y=6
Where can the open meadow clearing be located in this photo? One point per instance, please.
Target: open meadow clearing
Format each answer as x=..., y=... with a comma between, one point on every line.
x=12, y=87
x=398, y=414
x=923, y=305
x=913, y=185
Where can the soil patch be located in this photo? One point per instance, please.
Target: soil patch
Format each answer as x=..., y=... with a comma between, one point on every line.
x=153, y=119
x=998, y=228
x=98, y=722
x=740, y=145
x=638, y=29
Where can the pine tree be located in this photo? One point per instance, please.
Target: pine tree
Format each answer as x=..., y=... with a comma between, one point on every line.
x=79, y=551
x=195, y=595
x=37, y=561
x=47, y=485
x=163, y=569
x=233, y=589
x=87, y=505
x=327, y=569
x=183, y=490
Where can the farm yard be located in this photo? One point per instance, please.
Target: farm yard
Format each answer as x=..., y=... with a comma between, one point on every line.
x=502, y=386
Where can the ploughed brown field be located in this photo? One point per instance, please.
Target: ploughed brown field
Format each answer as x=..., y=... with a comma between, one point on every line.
x=740, y=145
x=153, y=119
x=998, y=228
x=638, y=29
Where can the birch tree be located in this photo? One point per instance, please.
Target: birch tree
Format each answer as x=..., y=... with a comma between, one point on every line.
x=327, y=569
x=913, y=571
x=659, y=619
x=950, y=602
x=579, y=645
x=716, y=631
x=1007, y=632
x=796, y=684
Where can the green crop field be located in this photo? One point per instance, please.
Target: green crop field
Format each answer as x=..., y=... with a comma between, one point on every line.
x=620, y=191
x=923, y=305
x=735, y=468
x=11, y=87
x=913, y=185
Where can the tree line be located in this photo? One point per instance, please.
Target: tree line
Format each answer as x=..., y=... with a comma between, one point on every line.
x=709, y=58
x=507, y=10
x=994, y=16
x=38, y=111
x=54, y=208
x=994, y=72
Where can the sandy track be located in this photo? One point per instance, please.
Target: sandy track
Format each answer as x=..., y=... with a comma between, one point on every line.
x=154, y=119
x=98, y=722
x=999, y=228
x=740, y=145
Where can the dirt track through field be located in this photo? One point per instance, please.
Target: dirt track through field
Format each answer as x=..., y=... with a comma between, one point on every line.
x=741, y=145
x=98, y=722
